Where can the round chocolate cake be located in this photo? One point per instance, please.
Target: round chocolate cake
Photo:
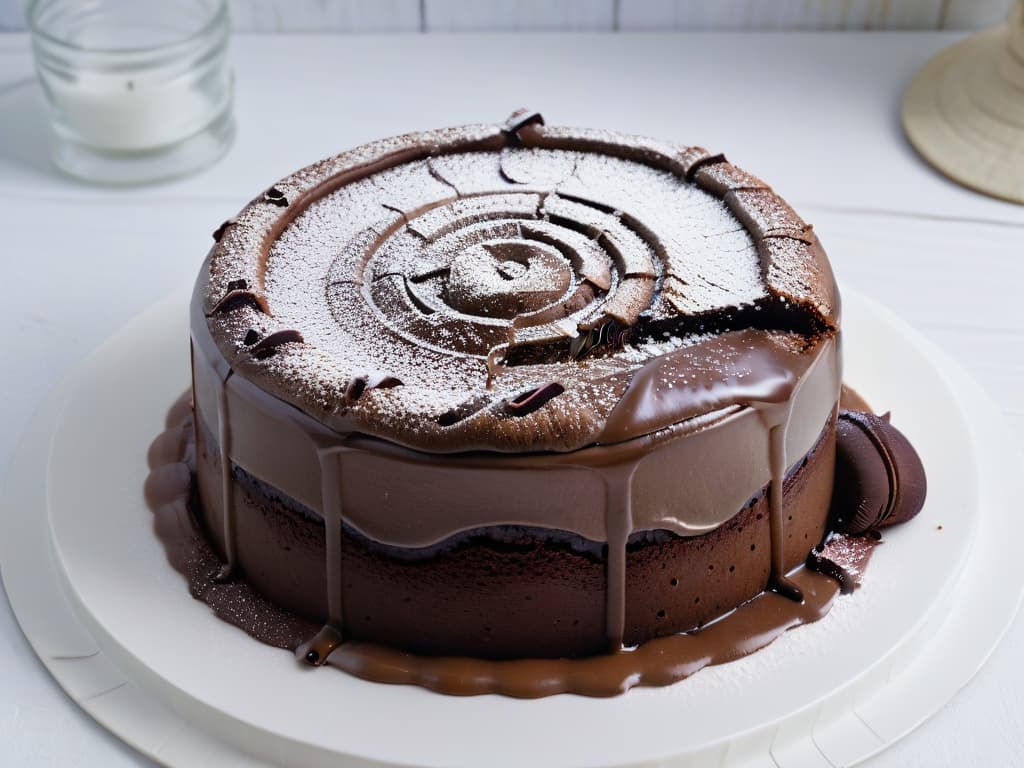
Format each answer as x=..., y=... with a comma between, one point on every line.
x=514, y=392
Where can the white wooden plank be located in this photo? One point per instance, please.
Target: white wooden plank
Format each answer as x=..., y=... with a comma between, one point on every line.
x=780, y=14
x=928, y=271
x=325, y=15
x=904, y=14
x=473, y=15
x=975, y=14
x=290, y=15
x=564, y=15
x=12, y=15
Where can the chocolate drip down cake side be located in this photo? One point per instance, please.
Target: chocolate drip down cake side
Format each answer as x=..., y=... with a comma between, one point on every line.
x=526, y=409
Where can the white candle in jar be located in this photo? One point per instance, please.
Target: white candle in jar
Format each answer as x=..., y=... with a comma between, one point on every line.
x=115, y=111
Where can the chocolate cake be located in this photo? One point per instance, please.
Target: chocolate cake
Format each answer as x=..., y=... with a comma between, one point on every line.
x=507, y=392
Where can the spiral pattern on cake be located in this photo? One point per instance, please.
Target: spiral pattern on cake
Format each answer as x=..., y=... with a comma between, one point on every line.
x=495, y=287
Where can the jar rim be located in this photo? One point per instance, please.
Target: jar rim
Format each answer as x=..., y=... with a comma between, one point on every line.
x=35, y=7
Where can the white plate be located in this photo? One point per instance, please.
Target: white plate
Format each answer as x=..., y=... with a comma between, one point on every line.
x=115, y=625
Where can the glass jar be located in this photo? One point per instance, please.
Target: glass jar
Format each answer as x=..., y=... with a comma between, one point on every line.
x=137, y=90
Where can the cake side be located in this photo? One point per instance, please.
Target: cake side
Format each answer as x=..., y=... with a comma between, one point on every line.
x=511, y=591
x=595, y=336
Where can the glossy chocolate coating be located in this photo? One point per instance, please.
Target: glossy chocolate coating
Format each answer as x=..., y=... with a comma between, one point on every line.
x=880, y=480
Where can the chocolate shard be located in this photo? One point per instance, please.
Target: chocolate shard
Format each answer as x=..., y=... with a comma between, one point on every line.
x=517, y=121
x=826, y=566
x=276, y=197
x=362, y=383
x=268, y=346
x=238, y=285
x=880, y=480
x=532, y=399
x=218, y=233
x=611, y=334
x=236, y=298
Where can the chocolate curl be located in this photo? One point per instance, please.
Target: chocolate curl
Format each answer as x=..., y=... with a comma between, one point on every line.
x=463, y=410
x=532, y=399
x=360, y=384
x=610, y=334
x=268, y=346
x=237, y=298
x=880, y=480
x=829, y=567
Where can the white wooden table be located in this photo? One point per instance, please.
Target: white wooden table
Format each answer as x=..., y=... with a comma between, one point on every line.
x=815, y=114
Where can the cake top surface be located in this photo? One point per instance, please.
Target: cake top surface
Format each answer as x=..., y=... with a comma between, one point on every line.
x=502, y=287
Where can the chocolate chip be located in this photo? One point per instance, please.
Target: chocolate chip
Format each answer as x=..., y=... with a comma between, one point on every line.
x=828, y=567
x=238, y=285
x=879, y=478
x=251, y=337
x=384, y=382
x=532, y=399
x=269, y=345
x=218, y=233
x=448, y=418
x=276, y=197
x=237, y=298
x=355, y=388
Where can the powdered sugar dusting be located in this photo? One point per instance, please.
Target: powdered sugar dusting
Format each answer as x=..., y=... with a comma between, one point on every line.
x=471, y=273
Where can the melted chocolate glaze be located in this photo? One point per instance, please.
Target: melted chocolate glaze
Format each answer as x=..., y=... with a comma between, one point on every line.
x=658, y=662
x=836, y=566
x=763, y=396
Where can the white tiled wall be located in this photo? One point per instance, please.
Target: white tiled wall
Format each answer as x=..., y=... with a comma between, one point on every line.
x=477, y=15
